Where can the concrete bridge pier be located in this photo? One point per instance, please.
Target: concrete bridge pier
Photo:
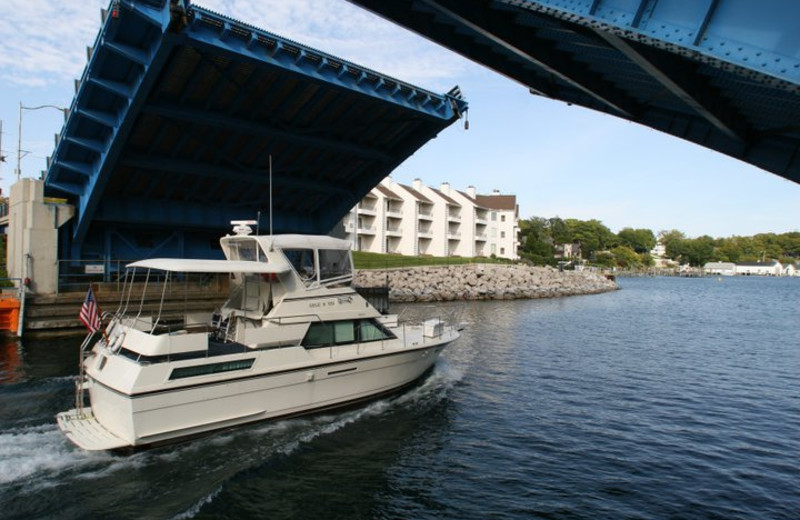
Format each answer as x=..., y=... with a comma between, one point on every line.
x=33, y=224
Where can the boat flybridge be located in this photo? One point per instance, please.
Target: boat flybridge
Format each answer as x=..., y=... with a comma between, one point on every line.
x=293, y=337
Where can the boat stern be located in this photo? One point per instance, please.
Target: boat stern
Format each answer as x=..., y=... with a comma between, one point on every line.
x=84, y=430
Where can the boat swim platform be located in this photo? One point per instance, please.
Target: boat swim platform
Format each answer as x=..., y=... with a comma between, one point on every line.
x=724, y=74
x=183, y=119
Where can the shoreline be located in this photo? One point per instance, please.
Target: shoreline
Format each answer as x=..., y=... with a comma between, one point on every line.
x=482, y=282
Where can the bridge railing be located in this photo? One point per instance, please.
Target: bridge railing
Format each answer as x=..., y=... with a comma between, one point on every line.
x=77, y=275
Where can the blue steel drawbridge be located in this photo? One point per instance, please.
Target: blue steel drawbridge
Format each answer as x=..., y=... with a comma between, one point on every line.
x=724, y=74
x=184, y=118
x=179, y=109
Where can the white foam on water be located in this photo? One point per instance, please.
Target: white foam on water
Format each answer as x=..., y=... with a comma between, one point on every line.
x=192, y=511
x=38, y=451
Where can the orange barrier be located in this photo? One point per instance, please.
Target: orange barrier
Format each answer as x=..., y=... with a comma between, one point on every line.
x=9, y=315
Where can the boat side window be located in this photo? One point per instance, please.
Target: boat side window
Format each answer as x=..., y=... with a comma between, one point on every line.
x=319, y=335
x=330, y=333
x=334, y=263
x=369, y=330
x=303, y=262
x=344, y=332
x=213, y=368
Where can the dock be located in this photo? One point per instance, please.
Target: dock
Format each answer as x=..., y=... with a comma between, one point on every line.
x=56, y=315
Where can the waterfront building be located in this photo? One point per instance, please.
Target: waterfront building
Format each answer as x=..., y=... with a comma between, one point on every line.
x=770, y=268
x=720, y=268
x=421, y=220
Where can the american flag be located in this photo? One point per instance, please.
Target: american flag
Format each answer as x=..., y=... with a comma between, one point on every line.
x=90, y=313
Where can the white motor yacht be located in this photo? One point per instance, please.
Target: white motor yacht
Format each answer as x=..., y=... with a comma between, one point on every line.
x=293, y=337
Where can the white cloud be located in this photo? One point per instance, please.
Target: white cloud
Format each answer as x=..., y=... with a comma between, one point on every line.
x=44, y=42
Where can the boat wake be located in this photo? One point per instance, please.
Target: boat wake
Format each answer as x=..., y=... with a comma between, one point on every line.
x=38, y=450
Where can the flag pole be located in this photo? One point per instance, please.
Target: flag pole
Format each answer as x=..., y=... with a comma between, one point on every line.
x=100, y=314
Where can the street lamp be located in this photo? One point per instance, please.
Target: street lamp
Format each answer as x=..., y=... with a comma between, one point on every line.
x=19, y=131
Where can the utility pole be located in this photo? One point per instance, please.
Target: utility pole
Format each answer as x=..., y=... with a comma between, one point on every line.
x=2, y=157
x=19, y=132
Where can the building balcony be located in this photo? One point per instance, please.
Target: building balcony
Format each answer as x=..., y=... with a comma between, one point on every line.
x=454, y=218
x=454, y=235
x=394, y=212
x=394, y=232
x=425, y=234
x=367, y=209
x=480, y=237
x=425, y=215
x=366, y=230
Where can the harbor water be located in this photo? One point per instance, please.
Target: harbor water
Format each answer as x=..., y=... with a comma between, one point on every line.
x=670, y=398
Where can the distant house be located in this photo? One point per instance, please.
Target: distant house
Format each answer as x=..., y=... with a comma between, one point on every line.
x=720, y=268
x=790, y=270
x=659, y=250
x=568, y=251
x=771, y=268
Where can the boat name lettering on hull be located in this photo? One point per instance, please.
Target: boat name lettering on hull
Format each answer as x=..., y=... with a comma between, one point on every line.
x=317, y=305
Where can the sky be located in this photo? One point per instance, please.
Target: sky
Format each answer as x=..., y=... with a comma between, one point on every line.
x=559, y=160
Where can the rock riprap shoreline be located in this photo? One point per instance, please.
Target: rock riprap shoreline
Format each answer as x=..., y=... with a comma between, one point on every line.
x=482, y=282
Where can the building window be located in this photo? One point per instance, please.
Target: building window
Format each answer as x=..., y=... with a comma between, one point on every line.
x=494, y=215
x=502, y=234
x=502, y=250
x=502, y=218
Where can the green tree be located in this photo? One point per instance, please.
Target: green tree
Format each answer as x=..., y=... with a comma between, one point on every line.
x=592, y=235
x=640, y=240
x=537, y=243
x=698, y=251
x=674, y=242
x=559, y=231
x=626, y=257
x=646, y=260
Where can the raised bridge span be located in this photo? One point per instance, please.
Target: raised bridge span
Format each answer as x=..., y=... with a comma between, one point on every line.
x=184, y=119
x=724, y=74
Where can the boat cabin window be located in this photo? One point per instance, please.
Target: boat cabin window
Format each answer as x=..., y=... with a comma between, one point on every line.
x=334, y=263
x=213, y=368
x=344, y=332
x=247, y=249
x=303, y=262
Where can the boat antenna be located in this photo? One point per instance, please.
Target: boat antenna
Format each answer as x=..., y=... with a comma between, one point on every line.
x=258, y=232
x=270, y=202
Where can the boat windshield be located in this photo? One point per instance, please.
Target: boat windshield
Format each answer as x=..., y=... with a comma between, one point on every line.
x=329, y=266
x=246, y=249
x=334, y=264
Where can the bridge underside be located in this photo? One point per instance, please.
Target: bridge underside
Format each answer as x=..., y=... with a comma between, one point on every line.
x=724, y=74
x=180, y=113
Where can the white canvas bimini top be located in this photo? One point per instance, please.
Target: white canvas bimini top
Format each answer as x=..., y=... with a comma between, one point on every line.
x=301, y=242
x=179, y=265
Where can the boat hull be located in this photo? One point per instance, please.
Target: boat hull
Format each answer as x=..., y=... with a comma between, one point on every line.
x=170, y=415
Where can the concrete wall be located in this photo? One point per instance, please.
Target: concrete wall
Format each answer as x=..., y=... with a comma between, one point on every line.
x=33, y=235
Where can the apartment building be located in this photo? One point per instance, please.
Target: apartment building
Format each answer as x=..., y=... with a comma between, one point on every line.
x=421, y=220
